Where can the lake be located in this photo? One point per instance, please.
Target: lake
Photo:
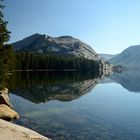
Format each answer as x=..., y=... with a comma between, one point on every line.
x=78, y=106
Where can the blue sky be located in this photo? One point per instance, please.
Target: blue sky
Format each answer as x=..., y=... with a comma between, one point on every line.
x=109, y=26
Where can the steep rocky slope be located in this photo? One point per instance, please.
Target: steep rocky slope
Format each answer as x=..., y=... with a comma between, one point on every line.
x=64, y=45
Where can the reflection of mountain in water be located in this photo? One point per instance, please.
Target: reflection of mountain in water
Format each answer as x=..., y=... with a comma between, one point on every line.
x=41, y=87
x=129, y=79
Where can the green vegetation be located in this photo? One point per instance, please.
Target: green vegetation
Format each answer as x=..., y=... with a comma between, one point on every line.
x=36, y=61
x=6, y=51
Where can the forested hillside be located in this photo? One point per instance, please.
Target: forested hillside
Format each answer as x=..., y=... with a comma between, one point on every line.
x=36, y=61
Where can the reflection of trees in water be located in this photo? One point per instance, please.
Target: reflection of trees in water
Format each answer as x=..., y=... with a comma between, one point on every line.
x=43, y=86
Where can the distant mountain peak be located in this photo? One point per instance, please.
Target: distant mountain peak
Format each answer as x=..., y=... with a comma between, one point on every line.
x=130, y=57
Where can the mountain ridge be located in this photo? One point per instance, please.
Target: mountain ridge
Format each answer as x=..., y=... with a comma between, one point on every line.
x=63, y=45
x=128, y=58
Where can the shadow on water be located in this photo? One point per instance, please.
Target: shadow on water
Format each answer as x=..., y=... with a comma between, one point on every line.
x=40, y=87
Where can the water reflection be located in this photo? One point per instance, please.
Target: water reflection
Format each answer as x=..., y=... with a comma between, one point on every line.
x=104, y=113
x=40, y=87
x=129, y=79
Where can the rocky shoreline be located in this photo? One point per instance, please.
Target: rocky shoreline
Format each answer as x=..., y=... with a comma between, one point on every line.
x=8, y=130
x=6, y=109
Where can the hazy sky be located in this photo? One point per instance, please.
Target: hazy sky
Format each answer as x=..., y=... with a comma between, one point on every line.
x=109, y=26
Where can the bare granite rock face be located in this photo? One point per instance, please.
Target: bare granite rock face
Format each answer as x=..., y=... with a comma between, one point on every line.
x=63, y=45
x=9, y=131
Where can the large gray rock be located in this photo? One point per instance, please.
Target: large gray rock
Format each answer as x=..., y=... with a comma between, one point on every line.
x=64, y=45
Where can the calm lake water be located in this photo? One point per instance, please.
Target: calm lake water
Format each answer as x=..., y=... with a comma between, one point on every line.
x=78, y=106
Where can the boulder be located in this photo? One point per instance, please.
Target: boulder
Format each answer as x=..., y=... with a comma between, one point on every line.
x=7, y=113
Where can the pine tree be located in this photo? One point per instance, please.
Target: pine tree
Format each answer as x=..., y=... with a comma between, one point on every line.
x=4, y=33
x=6, y=51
